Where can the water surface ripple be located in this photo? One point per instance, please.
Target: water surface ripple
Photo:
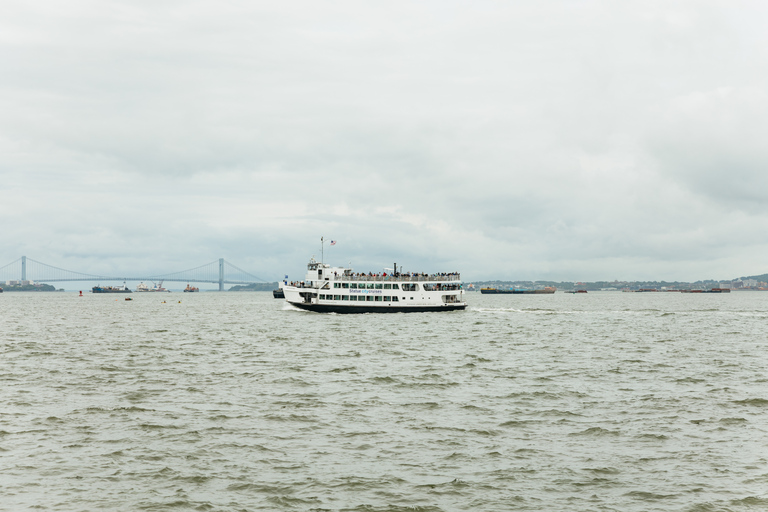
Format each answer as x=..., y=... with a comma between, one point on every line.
x=232, y=402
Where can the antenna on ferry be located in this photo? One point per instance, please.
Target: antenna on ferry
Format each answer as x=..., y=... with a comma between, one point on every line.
x=322, y=250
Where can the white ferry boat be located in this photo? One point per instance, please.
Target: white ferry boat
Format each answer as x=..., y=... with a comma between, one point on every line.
x=329, y=289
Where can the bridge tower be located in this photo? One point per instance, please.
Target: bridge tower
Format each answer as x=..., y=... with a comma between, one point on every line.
x=221, y=274
x=23, y=268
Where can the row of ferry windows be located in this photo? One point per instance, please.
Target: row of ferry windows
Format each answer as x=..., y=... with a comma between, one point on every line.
x=369, y=286
x=360, y=298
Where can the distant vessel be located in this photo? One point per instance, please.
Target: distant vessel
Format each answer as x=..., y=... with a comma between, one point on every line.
x=329, y=289
x=158, y=287
x=278, y=293
x=111, y=289
x=191, y=288
x=520, y=291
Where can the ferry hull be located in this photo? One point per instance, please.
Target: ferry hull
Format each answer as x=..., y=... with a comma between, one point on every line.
x=332, y=308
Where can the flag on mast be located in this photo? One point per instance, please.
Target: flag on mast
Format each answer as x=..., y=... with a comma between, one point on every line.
x=333, y=242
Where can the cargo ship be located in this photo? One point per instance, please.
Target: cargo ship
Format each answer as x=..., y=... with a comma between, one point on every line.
x=520, y=291
x=110, y=289
x=191, y=288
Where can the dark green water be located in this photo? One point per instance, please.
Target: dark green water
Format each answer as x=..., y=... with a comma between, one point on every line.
x=231, y=402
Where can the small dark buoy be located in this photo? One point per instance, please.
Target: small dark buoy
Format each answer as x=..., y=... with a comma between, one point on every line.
x=81, y=293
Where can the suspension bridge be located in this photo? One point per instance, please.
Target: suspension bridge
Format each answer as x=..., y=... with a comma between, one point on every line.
x=221, y=271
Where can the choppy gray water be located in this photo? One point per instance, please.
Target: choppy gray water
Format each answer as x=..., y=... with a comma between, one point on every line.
x=229, y=401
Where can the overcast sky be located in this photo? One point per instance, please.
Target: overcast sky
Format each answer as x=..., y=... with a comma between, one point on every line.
x=565, y=140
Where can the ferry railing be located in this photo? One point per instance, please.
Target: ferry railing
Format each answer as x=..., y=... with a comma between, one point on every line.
x=398, y=279
x=346, y=278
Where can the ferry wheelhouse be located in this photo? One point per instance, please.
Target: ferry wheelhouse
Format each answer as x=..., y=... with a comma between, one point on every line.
x=329, y=289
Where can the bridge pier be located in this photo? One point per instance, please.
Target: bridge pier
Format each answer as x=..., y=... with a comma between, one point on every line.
x=221, y=274
x=23, y=268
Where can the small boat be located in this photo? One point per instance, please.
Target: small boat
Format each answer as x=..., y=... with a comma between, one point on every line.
x=278, y=293
x=191, y=288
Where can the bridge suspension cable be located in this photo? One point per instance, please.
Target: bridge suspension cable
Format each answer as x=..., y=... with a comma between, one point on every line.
x=220, y=272
x=243, y=272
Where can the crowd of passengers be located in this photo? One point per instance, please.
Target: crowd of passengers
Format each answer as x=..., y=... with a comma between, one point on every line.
x=363, y=276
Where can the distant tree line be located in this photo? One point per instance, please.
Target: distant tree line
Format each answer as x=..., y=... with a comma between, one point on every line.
x=40, y=287
x=254, y=287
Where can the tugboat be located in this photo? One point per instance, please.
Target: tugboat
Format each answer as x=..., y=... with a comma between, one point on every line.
x=111, y=289
x=329, y=289
x=191, y=288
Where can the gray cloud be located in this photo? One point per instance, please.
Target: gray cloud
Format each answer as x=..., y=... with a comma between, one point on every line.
x=564, y=140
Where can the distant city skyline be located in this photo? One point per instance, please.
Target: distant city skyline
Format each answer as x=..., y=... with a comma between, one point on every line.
x=555, y=140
